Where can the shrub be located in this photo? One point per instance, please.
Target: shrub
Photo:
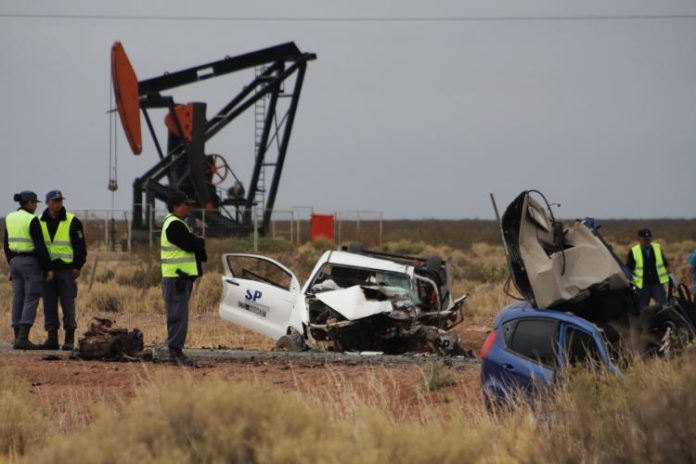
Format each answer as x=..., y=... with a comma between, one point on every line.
x=206, y=297
x=436, y=377
x=209, y=421
x=24, y=423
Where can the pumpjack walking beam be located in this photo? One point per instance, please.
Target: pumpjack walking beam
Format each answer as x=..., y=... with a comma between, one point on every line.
x=184, y=164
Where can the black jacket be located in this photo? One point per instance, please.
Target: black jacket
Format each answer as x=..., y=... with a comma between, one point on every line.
x=40, y=250
x=179, y=235
x=77, y=239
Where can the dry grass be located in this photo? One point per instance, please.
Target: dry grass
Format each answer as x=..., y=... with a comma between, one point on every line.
x=594, y=417
x=648, y=416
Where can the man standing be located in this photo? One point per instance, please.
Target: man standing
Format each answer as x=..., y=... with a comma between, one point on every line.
x=650, y=269
x=181, y=254
x=65, y=240
x=691, y=272
x=30, y=266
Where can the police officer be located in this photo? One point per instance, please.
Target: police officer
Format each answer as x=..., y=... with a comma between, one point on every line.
x=181, y=254
x=650, y=269
x=65, y=239
x=30, y=266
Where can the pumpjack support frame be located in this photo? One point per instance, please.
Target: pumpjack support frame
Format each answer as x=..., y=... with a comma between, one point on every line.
x=185, y=165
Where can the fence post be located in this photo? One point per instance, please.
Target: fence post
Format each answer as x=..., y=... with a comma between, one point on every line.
x=381, y=216
x=129, y=231
x=357, y=225
x=256, y=229
x=152, y=221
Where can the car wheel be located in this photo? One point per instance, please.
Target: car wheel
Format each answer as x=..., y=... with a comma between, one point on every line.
x=291, y=342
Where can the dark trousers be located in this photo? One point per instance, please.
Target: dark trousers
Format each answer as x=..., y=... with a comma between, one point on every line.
x=62, y=288
x=27, y=286
x=656, y=292
x=176, y=292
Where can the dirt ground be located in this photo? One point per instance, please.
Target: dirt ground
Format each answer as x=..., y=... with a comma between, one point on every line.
x=70, y=389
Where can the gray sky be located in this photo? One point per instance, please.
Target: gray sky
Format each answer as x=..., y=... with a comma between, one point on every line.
x=417, y=118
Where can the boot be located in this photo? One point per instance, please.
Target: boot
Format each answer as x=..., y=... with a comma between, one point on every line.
x=22, y=342
x=51, y=342
x=16, y=334
x=177, y=356
x=69, y=344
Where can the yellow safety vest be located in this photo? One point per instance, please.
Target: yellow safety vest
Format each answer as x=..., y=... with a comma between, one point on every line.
x=638, y=272
x=61, y=246
x=172, y=256
x=18, y=236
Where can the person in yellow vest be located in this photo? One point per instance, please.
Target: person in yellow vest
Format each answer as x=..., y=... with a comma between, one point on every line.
x=650, y=269
x=30, y=266
x=181, y=254
x=65, y=239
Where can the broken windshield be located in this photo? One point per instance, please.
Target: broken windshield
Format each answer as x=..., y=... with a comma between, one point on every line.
x=334, y=277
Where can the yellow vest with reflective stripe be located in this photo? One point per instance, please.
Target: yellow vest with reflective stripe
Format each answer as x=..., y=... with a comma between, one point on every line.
x=61, y=246
x=18, y=235
x=172, y=256
x=639, y=272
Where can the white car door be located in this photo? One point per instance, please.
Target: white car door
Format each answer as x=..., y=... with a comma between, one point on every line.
x=258, y=293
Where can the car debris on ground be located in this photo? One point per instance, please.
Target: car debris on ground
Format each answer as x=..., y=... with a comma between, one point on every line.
x=104, y=341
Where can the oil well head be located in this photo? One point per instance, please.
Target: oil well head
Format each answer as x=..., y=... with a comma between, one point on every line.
x=273, y=94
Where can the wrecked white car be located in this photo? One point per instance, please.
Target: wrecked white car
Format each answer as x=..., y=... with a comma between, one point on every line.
x=364, y=301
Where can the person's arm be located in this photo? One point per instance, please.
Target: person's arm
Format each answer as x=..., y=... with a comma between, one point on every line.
x=77, y=239
x=40, y=250
x=179, y=235
x=630, y=262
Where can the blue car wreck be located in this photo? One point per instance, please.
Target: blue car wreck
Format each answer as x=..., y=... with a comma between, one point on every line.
x=579, y=305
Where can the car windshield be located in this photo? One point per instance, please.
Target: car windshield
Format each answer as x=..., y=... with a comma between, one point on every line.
x=334, y=276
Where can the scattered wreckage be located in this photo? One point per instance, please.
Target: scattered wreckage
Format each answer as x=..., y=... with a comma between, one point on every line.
x=572, y=269
x=352, y=301
x=103, y=340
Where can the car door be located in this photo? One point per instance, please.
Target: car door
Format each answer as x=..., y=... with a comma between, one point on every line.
x=258, y=293
x=530, y=358
x=582, y=347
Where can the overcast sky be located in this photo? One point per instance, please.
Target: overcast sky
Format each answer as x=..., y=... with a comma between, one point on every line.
x=593, y=102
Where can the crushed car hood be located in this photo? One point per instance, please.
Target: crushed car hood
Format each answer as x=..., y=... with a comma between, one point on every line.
x=551, y=264
x=353, y=304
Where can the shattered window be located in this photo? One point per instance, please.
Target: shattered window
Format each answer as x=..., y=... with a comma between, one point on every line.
x=536, y=339
x=334, y=277
x=581, y=347
x=260, y=270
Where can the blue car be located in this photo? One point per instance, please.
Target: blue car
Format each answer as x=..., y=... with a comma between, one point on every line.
x=529, y=347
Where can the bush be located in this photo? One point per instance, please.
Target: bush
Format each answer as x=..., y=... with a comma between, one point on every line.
x=108, y=298
x=436, y=377
x=206, y=297
x=24, y=423
x=209, y=421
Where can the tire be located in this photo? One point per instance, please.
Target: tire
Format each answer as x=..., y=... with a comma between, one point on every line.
x=292, y=342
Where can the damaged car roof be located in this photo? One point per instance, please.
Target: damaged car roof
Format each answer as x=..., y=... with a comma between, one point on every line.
x=356, y=260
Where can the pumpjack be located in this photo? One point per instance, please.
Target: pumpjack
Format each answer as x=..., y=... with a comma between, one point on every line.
x=185, y=165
